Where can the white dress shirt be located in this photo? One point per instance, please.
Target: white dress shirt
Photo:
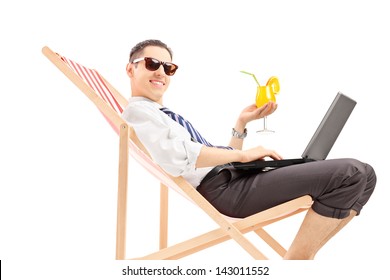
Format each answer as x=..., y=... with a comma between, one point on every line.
x=168, y=143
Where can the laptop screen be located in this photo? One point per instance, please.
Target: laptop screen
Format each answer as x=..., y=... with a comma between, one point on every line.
x=330, y=127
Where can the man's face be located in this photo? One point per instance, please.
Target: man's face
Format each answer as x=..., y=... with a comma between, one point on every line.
x=149, y=84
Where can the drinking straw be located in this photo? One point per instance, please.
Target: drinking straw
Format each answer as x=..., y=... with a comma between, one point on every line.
x=253, y=75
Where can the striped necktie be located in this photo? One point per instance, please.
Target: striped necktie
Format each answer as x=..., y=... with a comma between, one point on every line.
x=195, y=135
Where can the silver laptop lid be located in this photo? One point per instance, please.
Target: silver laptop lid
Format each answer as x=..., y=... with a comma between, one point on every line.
x=330, y=127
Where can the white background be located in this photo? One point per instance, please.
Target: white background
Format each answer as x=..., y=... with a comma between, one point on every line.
x=59, y=156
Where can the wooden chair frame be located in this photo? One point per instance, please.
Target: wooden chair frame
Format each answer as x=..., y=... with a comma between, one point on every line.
x=129, y=144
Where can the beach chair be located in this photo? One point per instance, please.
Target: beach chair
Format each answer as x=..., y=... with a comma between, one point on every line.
x=111, y=103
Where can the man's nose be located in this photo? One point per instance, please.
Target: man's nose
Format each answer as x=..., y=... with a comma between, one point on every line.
x=160, y=70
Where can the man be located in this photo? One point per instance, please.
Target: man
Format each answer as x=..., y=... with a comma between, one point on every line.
x=339, y=187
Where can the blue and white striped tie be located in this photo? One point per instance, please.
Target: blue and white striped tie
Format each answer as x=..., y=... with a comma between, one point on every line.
x=196, y=137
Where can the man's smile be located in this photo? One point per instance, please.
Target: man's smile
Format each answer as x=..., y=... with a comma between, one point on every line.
x=157, y=83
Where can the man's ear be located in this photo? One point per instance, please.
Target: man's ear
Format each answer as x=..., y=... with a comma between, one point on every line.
x=129, y=70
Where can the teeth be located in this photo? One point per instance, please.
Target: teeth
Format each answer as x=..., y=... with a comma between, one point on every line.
x=157, y=83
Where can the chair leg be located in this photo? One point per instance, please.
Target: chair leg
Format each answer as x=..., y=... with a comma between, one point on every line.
x=163, y=216
x=271, y=242
x=122, y=192
x=213, y=213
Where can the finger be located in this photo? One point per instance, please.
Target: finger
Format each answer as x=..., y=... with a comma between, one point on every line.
x=250, y=108
x=264, y=108
x=272, y=107
x=275, y=155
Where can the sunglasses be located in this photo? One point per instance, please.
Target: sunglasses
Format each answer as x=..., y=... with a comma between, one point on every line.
x=153, y=64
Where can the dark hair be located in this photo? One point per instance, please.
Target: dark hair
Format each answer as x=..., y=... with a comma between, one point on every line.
x=137, y=50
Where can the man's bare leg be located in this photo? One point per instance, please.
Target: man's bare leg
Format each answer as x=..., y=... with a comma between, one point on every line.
x=314, y=232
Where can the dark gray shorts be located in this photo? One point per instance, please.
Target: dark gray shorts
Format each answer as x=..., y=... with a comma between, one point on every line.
x=336, y=186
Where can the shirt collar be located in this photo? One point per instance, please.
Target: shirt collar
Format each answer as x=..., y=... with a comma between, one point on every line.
x=141, y=98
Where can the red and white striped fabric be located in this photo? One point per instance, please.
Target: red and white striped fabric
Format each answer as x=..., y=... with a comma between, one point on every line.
x=95, y=81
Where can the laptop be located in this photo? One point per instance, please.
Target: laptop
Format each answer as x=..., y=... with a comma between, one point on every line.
x=321, y=142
